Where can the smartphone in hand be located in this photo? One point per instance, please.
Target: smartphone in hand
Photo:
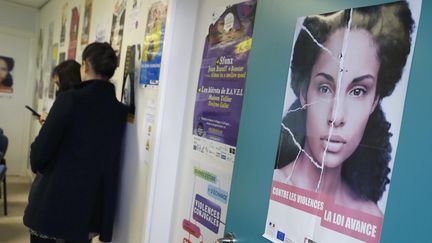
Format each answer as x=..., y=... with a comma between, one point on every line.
x=34, y=113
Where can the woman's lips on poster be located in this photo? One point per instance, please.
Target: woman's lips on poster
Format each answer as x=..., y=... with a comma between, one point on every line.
x=333, y=143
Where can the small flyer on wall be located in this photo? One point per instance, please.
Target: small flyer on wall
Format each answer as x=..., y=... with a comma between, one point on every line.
x=133, y=15
x=153, y=44
x=39, y=50
x=54, y=59
x=222, y=80
x=117, y=26
x=40, y=85
x=62, y=57
x=208, y=204
x=147, y=135
x=340, y=127
x=63, y=24
x=101, y=30
x=49, y=62
x=86, y=22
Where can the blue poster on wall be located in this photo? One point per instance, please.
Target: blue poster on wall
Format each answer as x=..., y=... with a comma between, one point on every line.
x=153, y=44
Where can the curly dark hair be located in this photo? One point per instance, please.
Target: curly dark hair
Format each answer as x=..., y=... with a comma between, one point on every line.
x=390, y=26
x=68, y=73
x=8, y=81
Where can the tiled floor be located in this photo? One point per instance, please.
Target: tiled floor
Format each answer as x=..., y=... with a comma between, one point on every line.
x=12, y=229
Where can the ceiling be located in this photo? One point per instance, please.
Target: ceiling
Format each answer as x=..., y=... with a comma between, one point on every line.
x=29, y=3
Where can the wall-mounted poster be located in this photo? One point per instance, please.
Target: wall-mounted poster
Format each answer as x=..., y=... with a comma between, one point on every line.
x=153, y=44
x=209, y=198
x=49, y=62
x=62, y=57
x=73, y=33
x=55, y=54
x=102, y=24
x=133, y=15
x=35, y=100
x=339, y=131
x=63, y=24
x=6, y=78
x=86, y=22
x=130, y=77
x=39, y=50
x=40, y=85
x=221, y=81
x=54, y=59
x=117, y=26
x=147, y=133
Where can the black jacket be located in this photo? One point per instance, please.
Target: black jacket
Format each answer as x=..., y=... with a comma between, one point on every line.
x=76, y=157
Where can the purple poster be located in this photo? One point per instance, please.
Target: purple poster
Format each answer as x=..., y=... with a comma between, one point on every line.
x=207, y=213
x=223, y=74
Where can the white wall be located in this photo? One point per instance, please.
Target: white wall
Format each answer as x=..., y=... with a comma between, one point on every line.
x=17, y=36
x=148, y=188
x=137, y=165
x=180, y=43
x=19, y=18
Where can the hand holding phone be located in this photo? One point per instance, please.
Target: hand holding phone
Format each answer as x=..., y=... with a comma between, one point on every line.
x=34, y=113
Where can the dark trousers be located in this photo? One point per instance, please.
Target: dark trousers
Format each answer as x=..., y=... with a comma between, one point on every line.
x=35, y=239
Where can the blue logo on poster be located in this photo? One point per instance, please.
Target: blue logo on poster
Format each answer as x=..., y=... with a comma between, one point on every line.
x=280, y=235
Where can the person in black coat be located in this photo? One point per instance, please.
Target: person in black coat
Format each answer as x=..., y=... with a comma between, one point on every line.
x=76, y=157
x=66, y=75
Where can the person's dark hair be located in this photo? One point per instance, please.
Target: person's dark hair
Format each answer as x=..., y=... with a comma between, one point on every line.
x=102, y=58
x=68, y=73
x=8, y=81
x=390, y=26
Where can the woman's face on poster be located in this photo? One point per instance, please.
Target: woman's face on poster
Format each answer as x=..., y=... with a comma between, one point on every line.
x=3, y=70
x=341, y=95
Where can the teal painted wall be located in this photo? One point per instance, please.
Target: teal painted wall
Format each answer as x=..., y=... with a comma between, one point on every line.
x=408, y=213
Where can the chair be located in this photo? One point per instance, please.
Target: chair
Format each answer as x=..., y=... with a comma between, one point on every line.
x=3, y=147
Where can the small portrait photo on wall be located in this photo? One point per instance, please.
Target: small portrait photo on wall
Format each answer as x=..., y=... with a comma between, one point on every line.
x=6, y=79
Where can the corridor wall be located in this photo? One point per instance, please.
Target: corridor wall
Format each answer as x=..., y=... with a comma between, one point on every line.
x=148, y=186
x=18, y=26
x=140, y=138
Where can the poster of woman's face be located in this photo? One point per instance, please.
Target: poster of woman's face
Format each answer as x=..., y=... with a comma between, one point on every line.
x=343, y=109
x=6, y=78
x=345, y=66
